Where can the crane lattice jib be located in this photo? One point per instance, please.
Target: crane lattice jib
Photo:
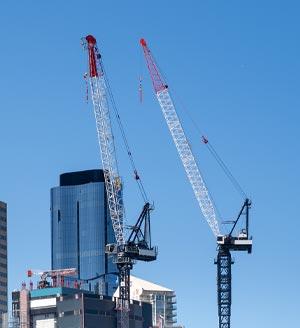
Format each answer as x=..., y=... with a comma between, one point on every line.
x=181, y=142
x=106, y=139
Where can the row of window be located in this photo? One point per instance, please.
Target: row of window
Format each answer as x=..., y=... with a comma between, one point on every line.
x=99, y=312
x=66, y=313
x=3, y=247
x=3, y=237
x=110, y=314
x=3, y=284
x=3, y=256
x=3, y=227
x=3, y=274
x=3, y=265
x=3, y=293
x=3, y=302
x=88, y=311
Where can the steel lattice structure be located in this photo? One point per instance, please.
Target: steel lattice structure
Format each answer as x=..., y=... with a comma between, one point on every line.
x=188, y=159
x=106, y=141
x=226, y=243
x=110, y=168
x=137, y=247
x=181, y=142
x=224, y=287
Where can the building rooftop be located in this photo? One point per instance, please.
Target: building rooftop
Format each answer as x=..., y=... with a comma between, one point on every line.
x=138, y=286
x=2, y=204
x=81, y=177
x=55, y=291
x=147, y=285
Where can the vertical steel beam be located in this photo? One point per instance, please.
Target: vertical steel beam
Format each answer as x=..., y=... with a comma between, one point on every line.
x=123, y=302
x=224, y=263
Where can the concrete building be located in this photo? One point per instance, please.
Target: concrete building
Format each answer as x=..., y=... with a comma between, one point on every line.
x=63, y=307
x=81, y=228
x=162, y=300
x=3, y=258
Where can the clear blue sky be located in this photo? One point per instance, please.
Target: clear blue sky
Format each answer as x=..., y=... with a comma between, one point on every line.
x=234, y=64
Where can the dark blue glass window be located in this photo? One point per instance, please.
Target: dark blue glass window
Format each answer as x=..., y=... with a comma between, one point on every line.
x=81, y=228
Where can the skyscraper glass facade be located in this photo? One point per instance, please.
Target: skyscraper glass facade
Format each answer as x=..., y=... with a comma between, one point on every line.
x=81, y=227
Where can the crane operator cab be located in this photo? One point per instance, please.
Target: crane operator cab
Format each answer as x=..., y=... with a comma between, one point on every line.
x=239, y=243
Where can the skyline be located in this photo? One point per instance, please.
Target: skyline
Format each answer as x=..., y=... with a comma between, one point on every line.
x=234, y=66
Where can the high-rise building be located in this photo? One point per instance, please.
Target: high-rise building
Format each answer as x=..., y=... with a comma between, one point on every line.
x=162, y=299
x=3, y=257
x=81, y=227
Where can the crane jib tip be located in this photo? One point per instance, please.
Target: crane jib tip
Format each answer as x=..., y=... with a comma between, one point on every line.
x=91, y=40
x=143, y=42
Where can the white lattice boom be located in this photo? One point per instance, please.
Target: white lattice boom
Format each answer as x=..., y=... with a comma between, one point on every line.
x=106, y=141
x=181, y=142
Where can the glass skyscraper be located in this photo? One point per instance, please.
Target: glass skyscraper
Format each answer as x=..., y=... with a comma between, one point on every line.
x=80, y=229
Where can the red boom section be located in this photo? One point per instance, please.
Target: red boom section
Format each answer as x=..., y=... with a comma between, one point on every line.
x=157, y=80
x=91, y=42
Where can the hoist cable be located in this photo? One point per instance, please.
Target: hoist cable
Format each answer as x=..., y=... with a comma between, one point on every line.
x=226, y=170
x=129, y=153
x=214, y=153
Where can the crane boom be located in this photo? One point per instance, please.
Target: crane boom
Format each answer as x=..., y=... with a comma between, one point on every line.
x=106, y=140
x=181, y=142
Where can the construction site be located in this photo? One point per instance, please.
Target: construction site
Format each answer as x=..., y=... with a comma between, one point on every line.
x=68, y=297
x=149, y=172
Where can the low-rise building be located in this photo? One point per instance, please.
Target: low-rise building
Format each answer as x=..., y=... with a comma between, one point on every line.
x=63, y=307
x=162, y=300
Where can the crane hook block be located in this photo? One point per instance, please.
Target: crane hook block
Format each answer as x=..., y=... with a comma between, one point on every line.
x=205, y=140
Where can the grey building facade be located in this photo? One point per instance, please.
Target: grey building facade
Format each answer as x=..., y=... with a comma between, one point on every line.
x=63, y=307
x=80, y=229
x=3, y=257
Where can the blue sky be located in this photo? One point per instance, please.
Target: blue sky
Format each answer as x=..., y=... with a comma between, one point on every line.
x=234, y=65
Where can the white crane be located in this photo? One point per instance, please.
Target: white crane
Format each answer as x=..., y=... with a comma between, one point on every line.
x=226, y=243
x=138, y=245
x=106, y=140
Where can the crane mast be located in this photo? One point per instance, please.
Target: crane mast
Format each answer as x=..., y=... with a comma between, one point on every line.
x=225, y=243
x=181, y=142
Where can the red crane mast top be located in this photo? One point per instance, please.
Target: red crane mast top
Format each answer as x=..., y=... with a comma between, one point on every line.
x=91, y=44
x=157, y=80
